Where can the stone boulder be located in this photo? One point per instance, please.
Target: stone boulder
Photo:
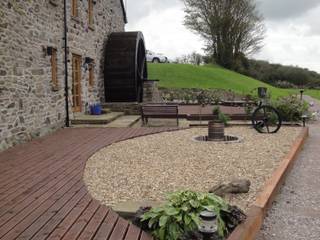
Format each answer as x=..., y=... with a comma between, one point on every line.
x=235, y=187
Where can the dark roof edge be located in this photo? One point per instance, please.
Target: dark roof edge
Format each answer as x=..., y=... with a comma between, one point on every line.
x=124, y=12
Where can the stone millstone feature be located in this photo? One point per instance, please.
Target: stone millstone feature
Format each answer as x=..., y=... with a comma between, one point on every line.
x=129, y=209
x=235, y=187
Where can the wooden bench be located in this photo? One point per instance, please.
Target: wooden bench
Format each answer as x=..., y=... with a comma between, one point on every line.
x=159, y=111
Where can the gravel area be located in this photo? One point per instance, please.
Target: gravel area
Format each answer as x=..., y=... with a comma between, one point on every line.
x=147, y=168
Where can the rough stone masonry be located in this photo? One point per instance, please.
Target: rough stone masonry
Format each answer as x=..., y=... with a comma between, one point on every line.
x=30, y=106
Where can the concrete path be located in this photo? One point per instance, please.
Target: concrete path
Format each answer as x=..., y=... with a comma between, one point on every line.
x=295, y=214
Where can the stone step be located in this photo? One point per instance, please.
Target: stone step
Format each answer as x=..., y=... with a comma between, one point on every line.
x=96, y=119
x=129, y=108
x=106, y=110
x=128, y=209
x=125, y=121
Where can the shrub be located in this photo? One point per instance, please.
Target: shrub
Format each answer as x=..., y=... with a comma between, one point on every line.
x=193, y=95
x=284, y=84
x=224, y=118
x=181, y=214
x=220, y=115
x=291, y=108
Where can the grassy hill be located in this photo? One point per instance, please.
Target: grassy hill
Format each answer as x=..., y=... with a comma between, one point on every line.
x=205, y=77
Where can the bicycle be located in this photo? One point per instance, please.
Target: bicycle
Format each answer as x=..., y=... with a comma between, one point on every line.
x=265, y=118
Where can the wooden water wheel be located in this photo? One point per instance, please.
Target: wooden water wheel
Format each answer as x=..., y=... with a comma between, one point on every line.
x=125, y=67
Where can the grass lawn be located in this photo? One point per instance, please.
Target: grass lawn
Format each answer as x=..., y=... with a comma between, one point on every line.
x=205, y=77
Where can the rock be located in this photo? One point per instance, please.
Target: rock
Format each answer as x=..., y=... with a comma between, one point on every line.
x=129, y=209
x=233, y=217
x=47, y=121
x=195, y=235
x=21, y=118
x=37, y=71
x=11, y=105
x=20, y=104
x=235, y=186
x=137, y=219
x=3, y=146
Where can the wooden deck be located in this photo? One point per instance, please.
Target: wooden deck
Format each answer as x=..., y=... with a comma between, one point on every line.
x=43, y=196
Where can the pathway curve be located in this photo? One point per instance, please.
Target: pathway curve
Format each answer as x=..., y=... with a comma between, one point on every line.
x=295, y=214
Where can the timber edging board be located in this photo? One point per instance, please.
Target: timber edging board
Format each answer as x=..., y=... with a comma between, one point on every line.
x=256, y=214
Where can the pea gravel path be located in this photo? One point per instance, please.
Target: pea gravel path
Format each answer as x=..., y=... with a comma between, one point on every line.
x=295, y=214
x=149, y=167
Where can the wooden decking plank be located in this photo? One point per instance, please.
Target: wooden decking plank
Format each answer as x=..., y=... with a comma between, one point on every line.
x=90, y=230
x=52, y=203
x=51, y=212
x=145, y=236
x=128, y=133
x=120, y=230
x=68, y=221
x=13, y=159
x=49, y=226
x=48, y=162
x=9, y=167
x=37, y=182
x=107, y=226
x=11, y=219
x=57, y=165
x=133, y=233
x=78, y=226
x=37, y=200
x=15, y=152
x=29, y=195
x=59, y=147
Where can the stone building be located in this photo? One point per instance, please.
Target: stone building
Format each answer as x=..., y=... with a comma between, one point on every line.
x=32, y=66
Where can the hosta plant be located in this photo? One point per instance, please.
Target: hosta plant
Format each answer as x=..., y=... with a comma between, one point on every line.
x=181, y=214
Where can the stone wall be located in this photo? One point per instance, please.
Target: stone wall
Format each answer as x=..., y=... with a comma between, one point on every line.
x=151, y=93
x=29, y=105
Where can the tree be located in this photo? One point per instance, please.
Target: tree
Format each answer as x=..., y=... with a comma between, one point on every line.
x=231, y=28
x=195, y=58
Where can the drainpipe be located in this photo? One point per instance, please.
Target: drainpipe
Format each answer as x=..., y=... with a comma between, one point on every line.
x=66, y=64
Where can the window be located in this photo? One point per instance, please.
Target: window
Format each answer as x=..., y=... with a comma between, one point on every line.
x=54, y=69
x=74, y=8
x=90, y=12
x=91, y=74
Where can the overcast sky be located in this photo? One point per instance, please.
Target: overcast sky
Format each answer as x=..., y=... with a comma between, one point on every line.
x=292, y=37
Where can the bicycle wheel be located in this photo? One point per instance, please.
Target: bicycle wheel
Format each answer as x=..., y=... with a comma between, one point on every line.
x=266, y=119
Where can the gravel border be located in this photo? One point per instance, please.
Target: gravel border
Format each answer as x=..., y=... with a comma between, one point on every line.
x=147, y=168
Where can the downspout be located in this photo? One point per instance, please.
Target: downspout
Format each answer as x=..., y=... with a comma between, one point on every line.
x=66, y=89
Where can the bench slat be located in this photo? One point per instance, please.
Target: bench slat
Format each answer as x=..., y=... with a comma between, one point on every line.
x=159, y=111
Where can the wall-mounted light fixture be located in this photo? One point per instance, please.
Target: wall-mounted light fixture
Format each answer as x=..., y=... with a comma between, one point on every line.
x=49, y=51
x=87, y=61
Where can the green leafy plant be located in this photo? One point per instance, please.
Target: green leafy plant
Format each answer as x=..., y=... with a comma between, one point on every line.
x=220, y=116
x=216, y=110
x=181, y=214
x=291, y=108
x=224, y=118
